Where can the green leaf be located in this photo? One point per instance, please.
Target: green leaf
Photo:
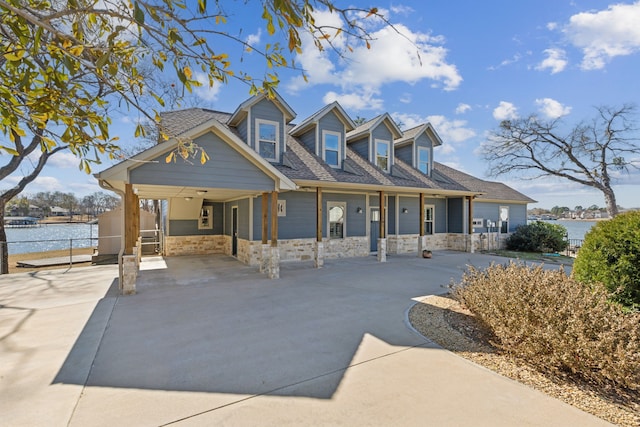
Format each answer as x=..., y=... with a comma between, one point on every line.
x=9, y=150
x=138, y=13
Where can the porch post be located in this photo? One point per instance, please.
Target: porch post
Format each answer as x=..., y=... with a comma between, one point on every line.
x=129, y=260
x=274, y=262
x=319, y=246
x=264, y=259
x=382, y=241
x=471, y=224
x=422, y=244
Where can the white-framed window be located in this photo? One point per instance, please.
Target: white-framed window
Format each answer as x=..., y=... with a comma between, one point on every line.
x=267, y=135
x=429, y=219
x=382, y=154
x=205, y=222
x=337, y=219
x=331, y=143
x=423, y=160
x=504, y=219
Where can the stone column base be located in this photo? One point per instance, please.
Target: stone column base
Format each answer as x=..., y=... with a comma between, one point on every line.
x=422, y=245
x=319, y=254
x=265, y=257
x=129, y=269
x=382, y=250
x=274, y=263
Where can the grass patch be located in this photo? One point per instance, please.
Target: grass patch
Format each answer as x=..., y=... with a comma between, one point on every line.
x=533, y=256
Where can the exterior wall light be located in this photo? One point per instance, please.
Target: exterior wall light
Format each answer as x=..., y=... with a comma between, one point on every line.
x=188, y=198
x=359, y=210
x=405, y=210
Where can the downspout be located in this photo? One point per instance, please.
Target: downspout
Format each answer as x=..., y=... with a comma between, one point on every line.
x=102, y=184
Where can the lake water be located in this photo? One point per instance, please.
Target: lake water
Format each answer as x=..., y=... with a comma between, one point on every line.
x=575, y=229
x=50, y=237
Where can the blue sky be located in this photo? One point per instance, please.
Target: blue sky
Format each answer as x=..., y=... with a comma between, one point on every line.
x=481, y=62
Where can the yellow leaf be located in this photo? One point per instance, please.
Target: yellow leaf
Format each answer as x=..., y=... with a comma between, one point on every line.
x=169, y=158
x=15, y=55
x=203, y=157
x=187, y=72
x=76, y=50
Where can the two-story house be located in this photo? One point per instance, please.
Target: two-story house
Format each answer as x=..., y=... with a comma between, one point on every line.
x=325, y=188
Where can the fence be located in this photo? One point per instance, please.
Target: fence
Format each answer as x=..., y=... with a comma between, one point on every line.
x=573, y=247
x=151, y=244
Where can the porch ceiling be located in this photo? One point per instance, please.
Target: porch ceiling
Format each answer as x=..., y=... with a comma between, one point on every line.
x=146, y=191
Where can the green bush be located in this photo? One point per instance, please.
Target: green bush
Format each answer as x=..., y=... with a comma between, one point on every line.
x=538, y=237
x=555, y=323
x=610, y=254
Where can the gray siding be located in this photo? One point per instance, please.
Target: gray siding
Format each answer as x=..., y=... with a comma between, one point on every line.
x=456, y=215
x=266, y=110
x=189, y=227
x=410, y=221
x=361, y=147
x=242, y=130
x=440, y=214
x=424, y=141
x=299, y=223
x=484, y=210
x=391, y=215
x=405, y=153
x=356, y=223
x=309, y=139
x=226, y=168
x=243, y=218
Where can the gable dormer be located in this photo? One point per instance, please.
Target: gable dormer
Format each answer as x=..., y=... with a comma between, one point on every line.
x=415, y=147
x=261, y=122
x=373, y=140
x=324, y=133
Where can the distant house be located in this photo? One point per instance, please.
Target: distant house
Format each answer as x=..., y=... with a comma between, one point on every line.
x=58, y=211
x=325, y=188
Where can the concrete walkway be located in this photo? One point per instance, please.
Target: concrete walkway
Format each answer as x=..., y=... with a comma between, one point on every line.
x=209, y=341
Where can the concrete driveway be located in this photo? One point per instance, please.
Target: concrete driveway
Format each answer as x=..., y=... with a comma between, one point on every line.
x=209, y=341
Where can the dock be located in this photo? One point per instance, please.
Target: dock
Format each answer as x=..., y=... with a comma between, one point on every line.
x=51, y=262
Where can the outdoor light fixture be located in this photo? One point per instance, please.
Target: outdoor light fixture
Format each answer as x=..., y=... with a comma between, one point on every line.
x=405, y=210
x=188, y=199
x=358, y=209
x=201, y=192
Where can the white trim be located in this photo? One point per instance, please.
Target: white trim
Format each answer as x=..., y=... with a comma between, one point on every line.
x=249, y=129
x=259, y=122
x=343, y=205
x=375, y=153
x=433, y=218
x=340, y=150
x=429, y=161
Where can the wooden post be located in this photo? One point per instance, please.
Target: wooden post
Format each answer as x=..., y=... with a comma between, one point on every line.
x=265, y=219
x=383, y=215
x=130, y=236
x=470, y=231
x=318, y=214
x=274, y=218
x=421, y=214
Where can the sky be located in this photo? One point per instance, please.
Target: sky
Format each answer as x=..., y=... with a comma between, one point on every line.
x=478, y=63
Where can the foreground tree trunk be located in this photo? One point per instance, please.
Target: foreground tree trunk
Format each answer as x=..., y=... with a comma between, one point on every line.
x=4, y=260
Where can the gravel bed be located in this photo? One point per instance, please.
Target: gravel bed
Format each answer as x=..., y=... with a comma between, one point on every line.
x=444, y=321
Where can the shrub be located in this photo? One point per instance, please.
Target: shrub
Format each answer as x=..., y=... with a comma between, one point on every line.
x=611, y=254
x=538, y=237
x=555, y=322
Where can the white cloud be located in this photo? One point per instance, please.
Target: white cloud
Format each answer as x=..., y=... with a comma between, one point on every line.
x=406, y=98
x=462, y=108
x=355, y=101
x=552, y=26
x=605, y=34
x=402, y=10
x=254, y=39
x=450, y=131
x=517, y=57
x=552, y=108
x=63, y=160
x=407, y=57
x=505, y=111
x=556, y=61
x=206, y=92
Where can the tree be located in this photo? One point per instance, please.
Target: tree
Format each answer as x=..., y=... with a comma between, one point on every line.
x=66, y=65
x=587, y=154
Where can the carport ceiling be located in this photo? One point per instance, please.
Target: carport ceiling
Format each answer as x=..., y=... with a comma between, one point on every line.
x=167, y=192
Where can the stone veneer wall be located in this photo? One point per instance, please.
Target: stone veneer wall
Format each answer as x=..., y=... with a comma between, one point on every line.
x=249, y=252
x=347, y=247
x=196, y=245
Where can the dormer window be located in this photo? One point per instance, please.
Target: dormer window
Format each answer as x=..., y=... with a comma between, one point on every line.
x=331, y=144
x=382, y=154
x=268, y=139
x=423, y=160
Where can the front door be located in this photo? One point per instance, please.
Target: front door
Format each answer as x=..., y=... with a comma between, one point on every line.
x=234, y=231
x=374, y=228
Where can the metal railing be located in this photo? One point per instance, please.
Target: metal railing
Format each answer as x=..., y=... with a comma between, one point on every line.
x=151, y=241
x=573, y=247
